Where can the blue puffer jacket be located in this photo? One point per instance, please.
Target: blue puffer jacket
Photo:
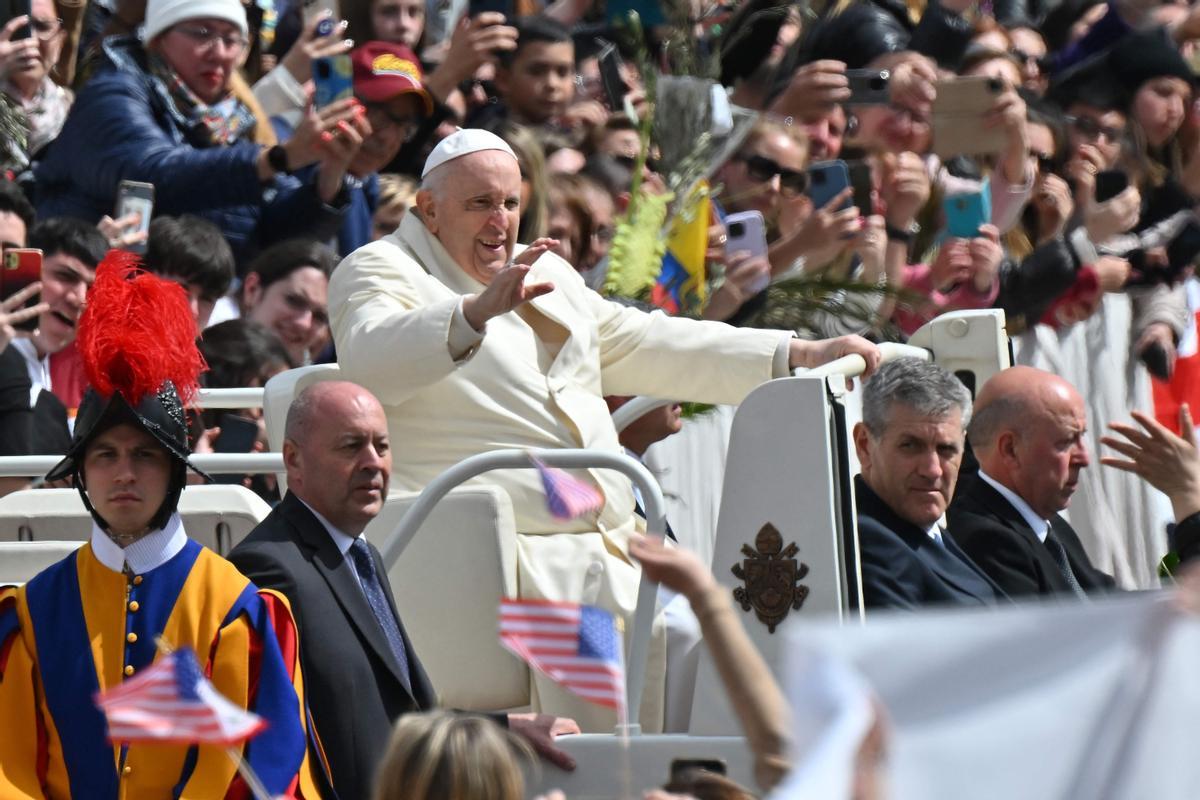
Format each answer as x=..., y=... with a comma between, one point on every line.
x=124, y=126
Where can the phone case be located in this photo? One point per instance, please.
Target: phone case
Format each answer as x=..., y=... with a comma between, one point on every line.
x=333, y=79
x=966, y=212
x=826, y=181
x=860, y=179
x=869, y=87
x=958, y=117
x=747, y=232
x=21, y=267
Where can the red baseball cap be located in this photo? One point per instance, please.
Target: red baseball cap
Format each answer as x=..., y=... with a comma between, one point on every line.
x=383, y=71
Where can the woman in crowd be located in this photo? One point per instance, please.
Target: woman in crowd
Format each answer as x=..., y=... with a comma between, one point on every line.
x=285, y=290
x=441, y=755
x=167, y=111
x=26, y=66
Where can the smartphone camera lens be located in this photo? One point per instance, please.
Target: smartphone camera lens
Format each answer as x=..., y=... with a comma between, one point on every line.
x=994, y=85
x=323, y=69
x=737, y=229
x=878, y=84
x=325, y=27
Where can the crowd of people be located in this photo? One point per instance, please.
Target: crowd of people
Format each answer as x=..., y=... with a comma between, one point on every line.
x=430, y=199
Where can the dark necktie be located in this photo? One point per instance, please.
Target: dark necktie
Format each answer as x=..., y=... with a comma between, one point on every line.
x=1059, y=554
x=368, y=579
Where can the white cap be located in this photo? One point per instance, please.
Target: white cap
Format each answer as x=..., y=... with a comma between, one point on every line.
x=162, y=14
x=463, y=142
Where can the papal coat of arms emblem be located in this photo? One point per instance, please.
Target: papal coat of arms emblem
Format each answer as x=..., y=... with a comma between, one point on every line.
x=772, y=576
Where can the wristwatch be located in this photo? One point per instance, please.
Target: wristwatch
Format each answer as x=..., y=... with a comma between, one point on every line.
x=277, y=157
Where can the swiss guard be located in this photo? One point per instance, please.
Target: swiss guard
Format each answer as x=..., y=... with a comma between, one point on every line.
x=140, y=586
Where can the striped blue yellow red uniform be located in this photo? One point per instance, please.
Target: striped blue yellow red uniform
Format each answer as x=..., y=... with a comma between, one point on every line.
x=78, y=628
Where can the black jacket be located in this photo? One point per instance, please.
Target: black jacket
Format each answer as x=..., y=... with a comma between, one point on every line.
x=351, y=678
x=903, y=568
x=997, y=538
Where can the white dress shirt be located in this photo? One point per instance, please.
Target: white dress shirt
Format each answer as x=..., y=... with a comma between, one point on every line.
x=1040, y=526
x=343, y=541
x=148, y=553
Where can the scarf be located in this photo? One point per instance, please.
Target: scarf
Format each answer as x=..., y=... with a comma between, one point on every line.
x=223, y=123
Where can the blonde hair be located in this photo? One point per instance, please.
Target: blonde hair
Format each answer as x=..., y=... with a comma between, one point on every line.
x=396, y=192
x=445, y=756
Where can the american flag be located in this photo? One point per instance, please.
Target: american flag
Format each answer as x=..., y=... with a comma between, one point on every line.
x=567, y=497
x=575, y=645
x=172, y=702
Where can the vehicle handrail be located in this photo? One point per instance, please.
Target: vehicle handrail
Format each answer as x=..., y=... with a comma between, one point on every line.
x=854, y=365
x=212, y=463
x=652, y=500
x=240, y=397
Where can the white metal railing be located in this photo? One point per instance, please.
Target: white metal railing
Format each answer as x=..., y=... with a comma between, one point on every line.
x=652, y=498
x=212, y=463
x=242, y=397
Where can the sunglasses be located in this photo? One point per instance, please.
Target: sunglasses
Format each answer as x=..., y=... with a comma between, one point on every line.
x=1093, y=130
x=761, y=168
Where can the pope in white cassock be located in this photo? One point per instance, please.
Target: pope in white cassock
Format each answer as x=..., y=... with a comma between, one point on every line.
x=470, y=351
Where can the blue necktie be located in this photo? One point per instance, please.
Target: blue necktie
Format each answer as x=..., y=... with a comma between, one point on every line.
x=368, y=579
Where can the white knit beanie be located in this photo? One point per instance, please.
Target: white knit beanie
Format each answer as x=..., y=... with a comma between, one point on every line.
x=162, y=14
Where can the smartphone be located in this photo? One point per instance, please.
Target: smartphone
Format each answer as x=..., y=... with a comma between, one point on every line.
x=22, y=266
x=966, y=212
x=237, y=435
x=860, y=179
x=745, y=231
x=505, y=7
x=333, y=79
x=958, y=117
x=17, y=8
x=1110, y=183
x=1155, y=359
x=826, y=180
x=134, y=197
x=869, y=87
x=610, y=77
x=311, y=9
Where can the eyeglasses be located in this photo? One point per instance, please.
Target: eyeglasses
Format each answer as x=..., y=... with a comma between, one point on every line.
x=380, y=117
x=234, y=43
x=761, y=168
x=45, y=29
x=1091, y=129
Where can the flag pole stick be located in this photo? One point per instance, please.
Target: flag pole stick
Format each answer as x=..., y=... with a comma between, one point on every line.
x=247, y=773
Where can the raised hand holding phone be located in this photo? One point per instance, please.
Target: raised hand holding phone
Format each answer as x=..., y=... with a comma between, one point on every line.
x=15, y=315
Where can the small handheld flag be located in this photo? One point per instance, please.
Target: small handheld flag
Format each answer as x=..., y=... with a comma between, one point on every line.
x=574, y=645
x=567, y=497
x=172, y=702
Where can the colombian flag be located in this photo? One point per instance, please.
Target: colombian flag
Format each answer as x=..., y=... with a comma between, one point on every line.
x=681, y=284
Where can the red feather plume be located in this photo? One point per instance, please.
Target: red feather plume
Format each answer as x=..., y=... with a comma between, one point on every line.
x=137, y=331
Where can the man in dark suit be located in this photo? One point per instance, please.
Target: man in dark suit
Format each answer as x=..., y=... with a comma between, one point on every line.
x=359, y=667
x=1028, y=435
x=910, y=445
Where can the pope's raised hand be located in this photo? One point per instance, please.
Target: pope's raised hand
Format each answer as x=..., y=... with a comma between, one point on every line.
x=508, y=290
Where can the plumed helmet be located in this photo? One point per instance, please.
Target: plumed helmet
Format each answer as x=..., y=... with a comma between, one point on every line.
x=137, y=343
